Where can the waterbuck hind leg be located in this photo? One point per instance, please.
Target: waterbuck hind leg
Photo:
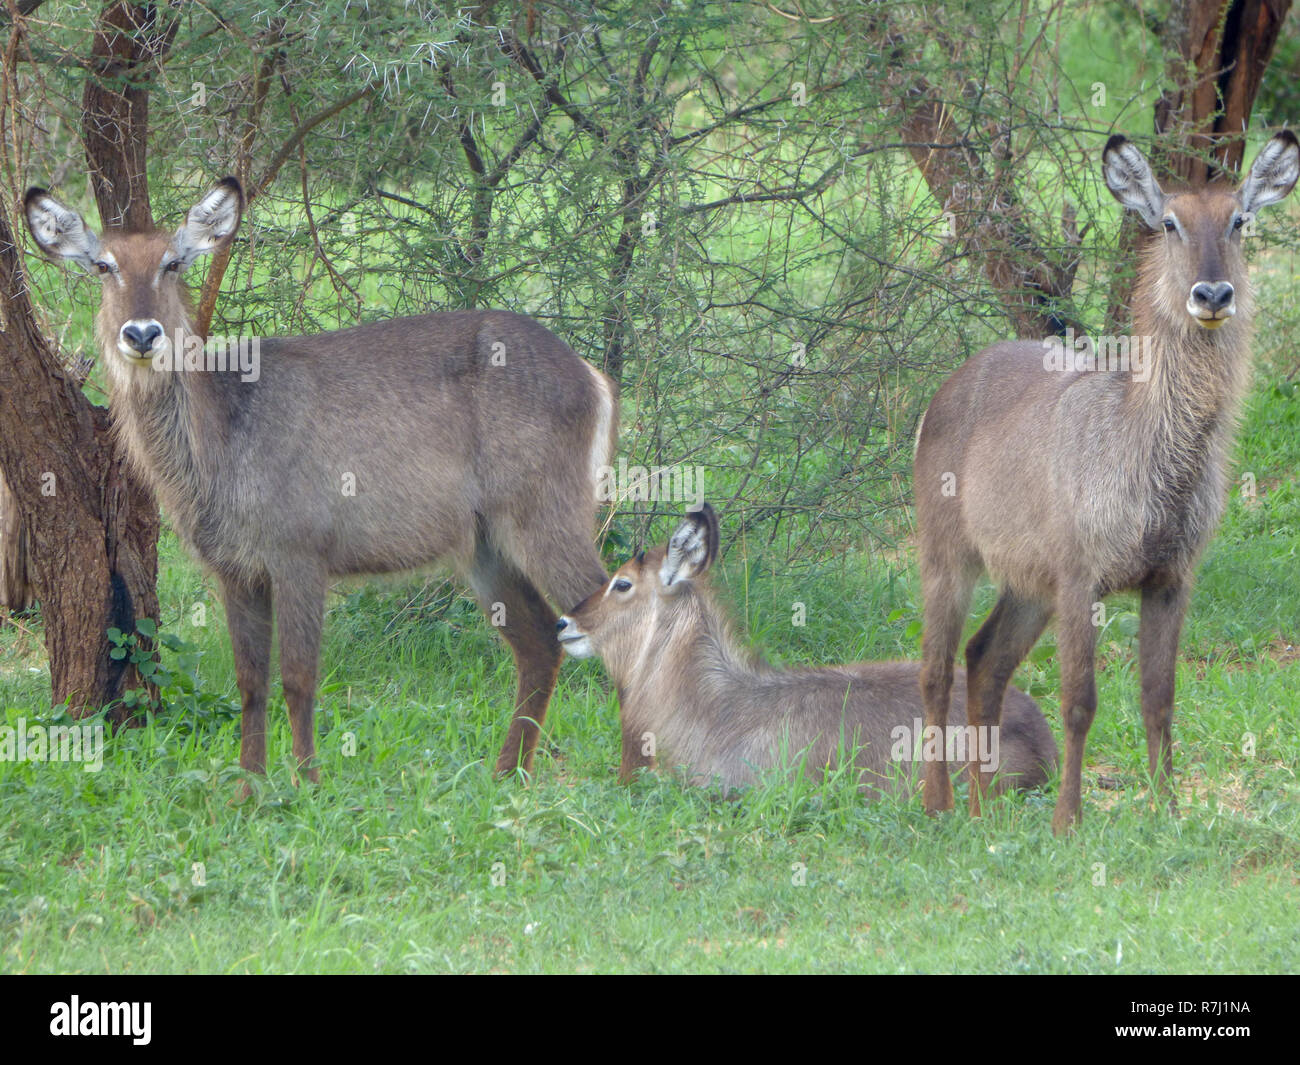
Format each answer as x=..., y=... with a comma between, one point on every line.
x=947, y=593
x=248, y=617
x=992, y=656
x=300, y=615
x=1076, y=645
x=556, y=553
x=1163, y=609
x=517, y=610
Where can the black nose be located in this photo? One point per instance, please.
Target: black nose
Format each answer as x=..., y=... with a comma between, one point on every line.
x=561, y=625
x=1213, y=296
x=141, y=337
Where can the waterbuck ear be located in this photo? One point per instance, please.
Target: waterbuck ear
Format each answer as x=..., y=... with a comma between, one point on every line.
x=692, y=548
x=211, y=222
x=1129, y=178
x=59, y=231
x=1273, y=173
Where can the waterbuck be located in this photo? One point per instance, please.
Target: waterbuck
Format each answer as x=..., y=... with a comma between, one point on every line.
x=473, y=439
x=690, y=696
x=1069, y=479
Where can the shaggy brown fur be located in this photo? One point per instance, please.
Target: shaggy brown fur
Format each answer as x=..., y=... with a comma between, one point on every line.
x=690, y=697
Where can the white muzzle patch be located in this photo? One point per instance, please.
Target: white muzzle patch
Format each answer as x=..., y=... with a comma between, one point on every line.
x=160, y=345
x=576, y=643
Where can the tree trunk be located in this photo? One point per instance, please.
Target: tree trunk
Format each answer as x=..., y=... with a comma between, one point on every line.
x=1032, y=283
x=90, y=524
x=128, y=42
x=15, y=587
x=92, y=528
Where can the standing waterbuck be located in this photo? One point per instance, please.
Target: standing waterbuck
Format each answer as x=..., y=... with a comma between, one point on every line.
x=689, y=695
x=469, y=438
x=1069, y=479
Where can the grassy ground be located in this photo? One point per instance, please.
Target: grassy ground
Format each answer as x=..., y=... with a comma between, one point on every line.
x=409, y=857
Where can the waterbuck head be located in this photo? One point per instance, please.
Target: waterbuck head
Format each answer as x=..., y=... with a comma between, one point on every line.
x=648, y=596
x=143, y=304
x=1195, y=241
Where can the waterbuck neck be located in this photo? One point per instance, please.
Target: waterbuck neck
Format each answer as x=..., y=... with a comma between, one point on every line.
x=1198, y=377
x=170, y=424
x=688, y=664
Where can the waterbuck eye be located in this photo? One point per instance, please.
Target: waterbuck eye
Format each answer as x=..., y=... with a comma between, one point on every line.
x=172, y=266
x=103, y=268
x=1239, y=221
x=622, y=585
x=1171, y=226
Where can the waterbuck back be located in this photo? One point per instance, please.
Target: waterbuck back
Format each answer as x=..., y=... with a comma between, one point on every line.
x=1070, y=469
x=473, y=439
x=691, y=698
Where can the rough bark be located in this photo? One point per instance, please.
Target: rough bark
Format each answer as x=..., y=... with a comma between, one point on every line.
x=128, y=43
x=1218, y=52
x=90, y=525
x=15, y=586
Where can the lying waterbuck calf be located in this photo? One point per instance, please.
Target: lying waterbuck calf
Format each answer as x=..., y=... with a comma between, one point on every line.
x=690, y=696
x=473, y=439
x=1069, y=479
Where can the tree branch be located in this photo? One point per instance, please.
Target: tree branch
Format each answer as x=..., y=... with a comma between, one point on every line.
x=221, y=258
x=515, y=50
x=291, y=145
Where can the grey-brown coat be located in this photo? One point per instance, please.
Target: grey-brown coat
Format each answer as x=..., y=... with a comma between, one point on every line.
x=473, y=439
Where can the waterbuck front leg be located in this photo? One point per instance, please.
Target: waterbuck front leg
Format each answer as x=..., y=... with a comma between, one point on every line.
x=248, y=617
x=300, y=615
x=992, y=656
x=1076, y=649
x=1164, y=606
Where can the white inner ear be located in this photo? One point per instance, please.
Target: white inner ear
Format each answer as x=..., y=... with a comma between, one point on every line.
x=60, y=231
x=685, y=555
x=1129, y=177
x=1272, y=175
x=209, y=222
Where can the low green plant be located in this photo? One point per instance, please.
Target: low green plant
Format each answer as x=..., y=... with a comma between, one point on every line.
x=171, y=665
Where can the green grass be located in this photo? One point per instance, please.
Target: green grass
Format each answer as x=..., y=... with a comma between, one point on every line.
x=410, y=857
